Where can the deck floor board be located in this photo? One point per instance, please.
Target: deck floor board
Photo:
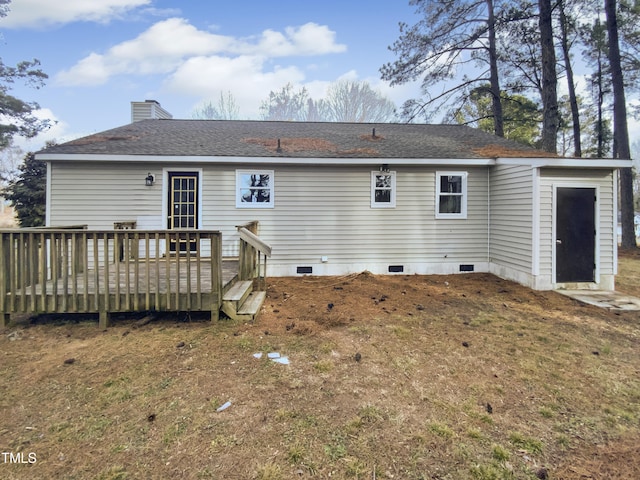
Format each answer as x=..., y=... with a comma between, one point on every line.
x=153, y=281
x=147, y=278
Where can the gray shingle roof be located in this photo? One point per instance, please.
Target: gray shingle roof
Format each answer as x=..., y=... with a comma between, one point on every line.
x=297, y=139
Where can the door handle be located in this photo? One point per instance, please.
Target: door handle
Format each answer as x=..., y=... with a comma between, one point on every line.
x=558, y=242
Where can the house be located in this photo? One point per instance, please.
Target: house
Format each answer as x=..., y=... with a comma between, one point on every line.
x=337, y=198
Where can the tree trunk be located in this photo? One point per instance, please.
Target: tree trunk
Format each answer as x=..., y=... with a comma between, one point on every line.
x=549, y=79
x=600, y=125
x=573, y=100
x=621, y=147
x=498, y=117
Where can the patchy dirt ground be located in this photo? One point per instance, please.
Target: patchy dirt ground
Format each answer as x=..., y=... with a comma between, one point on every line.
x=308, y=304
x=312, y=304
x=389, y=377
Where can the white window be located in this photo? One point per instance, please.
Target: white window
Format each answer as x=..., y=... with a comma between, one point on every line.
x=254, y=189
x=451, y=194
x=383, y=189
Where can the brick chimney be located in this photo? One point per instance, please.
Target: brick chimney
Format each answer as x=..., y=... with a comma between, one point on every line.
x=147, y=110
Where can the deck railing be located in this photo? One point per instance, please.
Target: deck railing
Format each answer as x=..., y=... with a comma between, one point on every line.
x=107, y=271
x=252, y=255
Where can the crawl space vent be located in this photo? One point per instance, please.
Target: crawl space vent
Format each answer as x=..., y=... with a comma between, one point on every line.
x=466, y=268
x=304, y=270
x=396, y=268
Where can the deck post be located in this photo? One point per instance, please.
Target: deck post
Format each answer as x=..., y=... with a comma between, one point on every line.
x=216, y=275
x=5, y=318
x=5, y=262
x=252, y=249
x=104, y=319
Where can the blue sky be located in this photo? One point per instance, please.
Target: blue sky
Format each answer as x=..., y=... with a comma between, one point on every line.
x=102, y=54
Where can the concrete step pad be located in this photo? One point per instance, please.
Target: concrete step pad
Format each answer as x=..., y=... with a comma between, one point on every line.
x=610, y=300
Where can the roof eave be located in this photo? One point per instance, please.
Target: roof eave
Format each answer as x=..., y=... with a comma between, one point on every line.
x=264, y=160
x=561, y=162
x=538, y=162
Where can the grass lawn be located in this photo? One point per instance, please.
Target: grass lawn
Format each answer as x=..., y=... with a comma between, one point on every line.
x=389, y=377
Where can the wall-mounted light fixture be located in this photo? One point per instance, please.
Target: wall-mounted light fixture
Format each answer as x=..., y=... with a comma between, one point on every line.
x=149, y=180
x=384, y=167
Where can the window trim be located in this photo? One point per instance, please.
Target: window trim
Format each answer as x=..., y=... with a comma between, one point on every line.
x=271, y=187
x=463, y=195
x=392, y=189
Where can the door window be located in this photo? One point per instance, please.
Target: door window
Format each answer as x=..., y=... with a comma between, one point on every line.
x=183, y=204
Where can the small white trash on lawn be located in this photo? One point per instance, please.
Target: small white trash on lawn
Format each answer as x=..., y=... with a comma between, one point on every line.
x=274, y=357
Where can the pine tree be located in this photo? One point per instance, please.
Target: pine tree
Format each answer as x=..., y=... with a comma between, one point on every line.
x=27, y=193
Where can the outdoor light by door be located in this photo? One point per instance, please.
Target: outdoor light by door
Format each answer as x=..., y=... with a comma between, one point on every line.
x=149, y=180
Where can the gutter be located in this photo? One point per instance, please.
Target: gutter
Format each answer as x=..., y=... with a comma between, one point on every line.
x=560, y=162
x=536, y=162
x=211, y=159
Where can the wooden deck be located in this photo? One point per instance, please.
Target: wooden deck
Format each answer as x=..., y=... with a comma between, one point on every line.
x=165, y=285
x=109, y=271
x=151, y=278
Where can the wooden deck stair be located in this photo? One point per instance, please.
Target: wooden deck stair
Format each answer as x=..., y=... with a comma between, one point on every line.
x=241, y=302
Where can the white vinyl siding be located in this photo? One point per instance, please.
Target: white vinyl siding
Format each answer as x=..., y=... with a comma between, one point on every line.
x=320, y=211
x=511, y=224
x=99, y=194
x=409, y=233
x=606, y=228
x=326, y=211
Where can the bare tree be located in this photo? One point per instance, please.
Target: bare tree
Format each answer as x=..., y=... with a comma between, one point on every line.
x=10, y=159
x=346, y=101
x=225, y=109
x=286, y=105
x=351, y=101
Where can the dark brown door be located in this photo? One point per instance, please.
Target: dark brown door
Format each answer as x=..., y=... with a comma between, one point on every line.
x=575, y=235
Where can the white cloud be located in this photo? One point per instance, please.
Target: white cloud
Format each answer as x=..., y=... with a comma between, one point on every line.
x=59, y=131
x=244, y=76
x=160, y=49
x=307, y=40
x=91, y=70
x=170, y=44
x=42, y=13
